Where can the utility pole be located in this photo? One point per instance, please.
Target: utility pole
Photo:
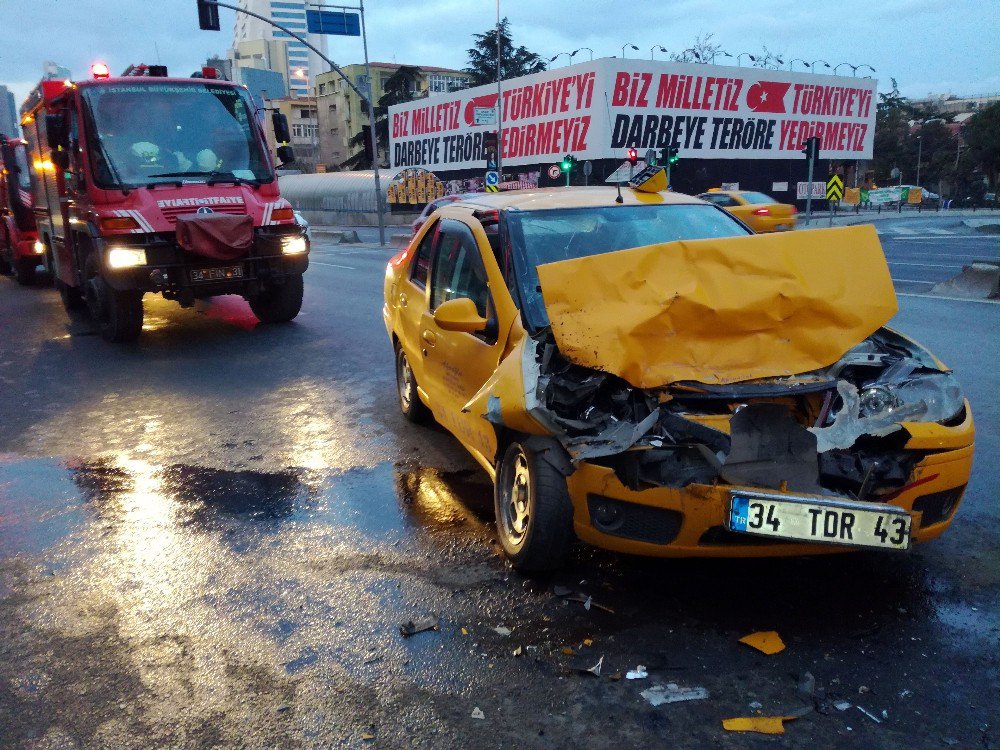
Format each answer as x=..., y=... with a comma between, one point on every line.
x=920, y=145
x=811, y=151
x=499, y=102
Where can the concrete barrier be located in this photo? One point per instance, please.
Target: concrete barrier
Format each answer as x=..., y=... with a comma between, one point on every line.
x=349, y=237
x=978, y=280
x=400, y=240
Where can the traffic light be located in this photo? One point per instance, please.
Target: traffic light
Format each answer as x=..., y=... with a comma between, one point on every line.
x=633, y=156
x=490, y=140
x=366, y=136
x=566, y=164
x=208, y=16
x=670, y=155
x=811, y=149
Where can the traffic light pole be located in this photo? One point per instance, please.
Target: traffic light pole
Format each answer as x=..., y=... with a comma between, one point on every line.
x=809, y=189
x=336, y=69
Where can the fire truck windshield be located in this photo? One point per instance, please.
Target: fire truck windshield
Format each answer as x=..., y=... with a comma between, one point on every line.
x=152, y=133
x=21, y=161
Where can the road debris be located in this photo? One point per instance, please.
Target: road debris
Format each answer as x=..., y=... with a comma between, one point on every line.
x=869, y=714
x=412, y=627
x=588, y=665
x=477, y=713
x=767, y=642
x=807, y=685
x=518, y=651
x=639, y=673
x=758, y=724
x=842, y=705
x=673, y=693
x=562, y=590
x=501, y=630
x=587, y=602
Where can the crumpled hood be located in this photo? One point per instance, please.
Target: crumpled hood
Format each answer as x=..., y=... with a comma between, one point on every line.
x=720, y=310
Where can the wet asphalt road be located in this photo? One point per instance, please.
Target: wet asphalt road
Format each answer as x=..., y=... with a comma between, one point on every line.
x=209, y=539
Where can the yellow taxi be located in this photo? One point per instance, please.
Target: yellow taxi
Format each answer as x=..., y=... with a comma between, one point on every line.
x=759, y=211
x=651, y=377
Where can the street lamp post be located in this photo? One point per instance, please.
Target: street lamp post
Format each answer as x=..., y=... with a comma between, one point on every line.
x=739, y=64
x=569, y=56
x=813, y=64
x=694, y=52
x=920, y=144
x=655, y=47
x=797, y=59
x=865, y=65
x=853, y=68
x=627, y=44
x=584, y=48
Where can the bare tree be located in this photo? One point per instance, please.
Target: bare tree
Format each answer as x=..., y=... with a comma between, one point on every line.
x=704, y=50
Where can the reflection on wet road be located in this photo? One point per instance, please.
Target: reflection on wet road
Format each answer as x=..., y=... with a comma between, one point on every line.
x=210, y=540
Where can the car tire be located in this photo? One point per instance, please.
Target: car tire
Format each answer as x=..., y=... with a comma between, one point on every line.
x=533, y=510
x=280, y=303
x=5, y=269
x=24, y=271
x=116, y=314
x=406, y=389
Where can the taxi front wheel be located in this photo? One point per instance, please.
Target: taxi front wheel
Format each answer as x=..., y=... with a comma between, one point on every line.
x=406, y=388
x=533, y=510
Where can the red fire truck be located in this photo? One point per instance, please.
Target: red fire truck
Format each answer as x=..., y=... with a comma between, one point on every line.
x=20, y=250
x=146, y=183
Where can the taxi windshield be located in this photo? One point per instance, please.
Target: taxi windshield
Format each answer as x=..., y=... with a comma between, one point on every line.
x=146, y=134
x=538, y=237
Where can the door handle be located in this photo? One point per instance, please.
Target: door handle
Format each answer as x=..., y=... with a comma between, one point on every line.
x=429, y=336
x=402, y=300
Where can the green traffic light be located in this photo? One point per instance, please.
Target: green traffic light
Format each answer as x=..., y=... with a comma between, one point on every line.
x=567, y=163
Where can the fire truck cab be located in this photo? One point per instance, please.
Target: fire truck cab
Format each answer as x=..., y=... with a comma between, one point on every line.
x=20, y=250
x=146, y=183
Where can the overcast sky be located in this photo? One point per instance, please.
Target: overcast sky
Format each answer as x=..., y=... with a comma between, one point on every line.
x=935, y=46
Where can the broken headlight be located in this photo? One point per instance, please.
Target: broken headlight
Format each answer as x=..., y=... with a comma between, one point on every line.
x=934, y=397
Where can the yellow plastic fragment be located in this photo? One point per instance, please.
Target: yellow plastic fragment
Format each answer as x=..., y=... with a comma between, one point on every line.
x=588, y=641
x=568, y=651
x=720, y=310
x=759, y=724
x=767, y=642
x=464, y=631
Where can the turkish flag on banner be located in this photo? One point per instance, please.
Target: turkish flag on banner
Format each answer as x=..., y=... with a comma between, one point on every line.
x=767, y=96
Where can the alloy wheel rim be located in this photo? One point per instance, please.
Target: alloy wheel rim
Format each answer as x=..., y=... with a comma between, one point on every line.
x=516, y=500
x=405, y=378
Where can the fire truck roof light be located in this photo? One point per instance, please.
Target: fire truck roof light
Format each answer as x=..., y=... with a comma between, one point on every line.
x=208, y=72
x=100, y=70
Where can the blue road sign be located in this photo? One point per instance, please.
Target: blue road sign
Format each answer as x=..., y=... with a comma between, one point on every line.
x=337, y=22
x=492, y=178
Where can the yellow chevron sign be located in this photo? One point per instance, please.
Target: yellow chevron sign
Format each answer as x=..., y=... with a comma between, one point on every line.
x=834, y=188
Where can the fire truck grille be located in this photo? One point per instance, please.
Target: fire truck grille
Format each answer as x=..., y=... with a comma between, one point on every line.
x=171, y=213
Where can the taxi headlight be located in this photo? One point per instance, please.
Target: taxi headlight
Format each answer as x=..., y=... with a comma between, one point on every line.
x=126, y=257
x=39, y=247
x=923, y=398
x=293, y=245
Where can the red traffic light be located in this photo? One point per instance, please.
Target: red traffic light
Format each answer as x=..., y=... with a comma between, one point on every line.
x=633, y=156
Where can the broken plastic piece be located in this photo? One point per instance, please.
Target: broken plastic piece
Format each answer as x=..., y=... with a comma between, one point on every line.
x=759, y=724
x=767, y=642
x=639, y=673
x=673, y=693
x=502, y=630
x=477, y=713
x=870, y=715
x=589, y=666
x=842, y=705
x=411, y=627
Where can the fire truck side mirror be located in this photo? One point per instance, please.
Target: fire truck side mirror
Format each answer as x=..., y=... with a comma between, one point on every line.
x=280, y=124
x=55, y=131
x=286, y=155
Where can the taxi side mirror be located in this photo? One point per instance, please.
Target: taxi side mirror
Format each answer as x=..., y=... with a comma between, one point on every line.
x=459, y=314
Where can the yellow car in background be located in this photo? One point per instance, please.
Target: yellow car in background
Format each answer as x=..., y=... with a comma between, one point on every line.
x=643, y=373
x=760, y=212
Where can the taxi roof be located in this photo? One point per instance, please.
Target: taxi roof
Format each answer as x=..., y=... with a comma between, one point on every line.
x=540, y=199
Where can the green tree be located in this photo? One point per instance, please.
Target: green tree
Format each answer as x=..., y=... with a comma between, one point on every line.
x=892, y=115
x=982, y=136
x=515, y=61
x=937, y=148
x=401, y=87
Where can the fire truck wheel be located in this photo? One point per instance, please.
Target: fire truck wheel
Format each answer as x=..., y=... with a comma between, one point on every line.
x=71, y=296
x=24, y=270
x=117, y=315
x=278, y=304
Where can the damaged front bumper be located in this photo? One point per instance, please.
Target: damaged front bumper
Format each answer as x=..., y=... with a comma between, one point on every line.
x=653, y=471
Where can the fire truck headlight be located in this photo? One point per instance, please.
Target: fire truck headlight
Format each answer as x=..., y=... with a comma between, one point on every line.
x=293, y=245
x=39, y=247
x=126, y=257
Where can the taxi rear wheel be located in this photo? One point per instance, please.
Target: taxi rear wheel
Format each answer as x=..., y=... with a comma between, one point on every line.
x=533, y=510
x=406, y=388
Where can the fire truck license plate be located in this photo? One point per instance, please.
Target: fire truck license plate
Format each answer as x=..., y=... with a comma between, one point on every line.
x=217, y=274
x=817, y=520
